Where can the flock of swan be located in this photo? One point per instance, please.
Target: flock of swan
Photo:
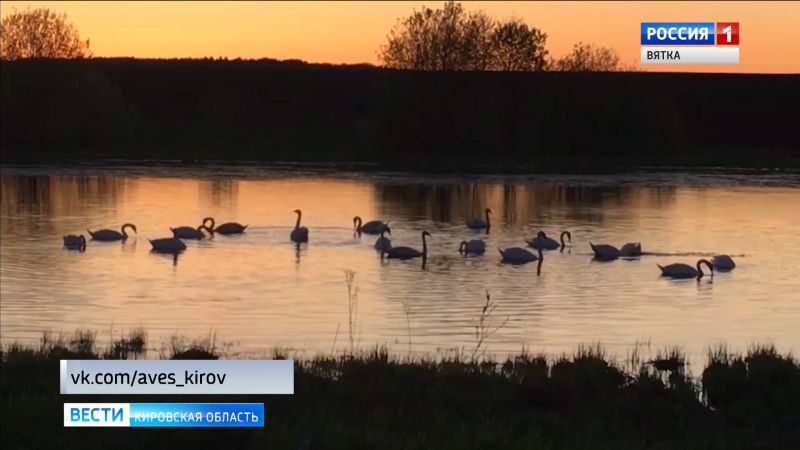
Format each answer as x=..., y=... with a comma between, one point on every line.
x=510, y=255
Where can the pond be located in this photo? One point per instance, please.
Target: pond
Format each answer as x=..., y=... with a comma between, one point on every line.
x=259, y=291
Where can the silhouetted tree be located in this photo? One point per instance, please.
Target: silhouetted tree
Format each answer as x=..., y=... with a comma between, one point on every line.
x=438, y=39
x=476, y=52
x=40, y=33
x=515, y=46
x=453, y=39
x=589, y=58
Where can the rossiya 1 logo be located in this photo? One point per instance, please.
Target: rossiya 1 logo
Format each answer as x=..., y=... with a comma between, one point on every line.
x=689, y=42
x=727, y=33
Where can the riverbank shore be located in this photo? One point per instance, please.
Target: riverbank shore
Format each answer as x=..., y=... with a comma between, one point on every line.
x=371, y=399
x=239, y=167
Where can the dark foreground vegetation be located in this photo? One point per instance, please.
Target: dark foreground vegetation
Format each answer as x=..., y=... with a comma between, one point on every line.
x=207, y=110
x=373, y=401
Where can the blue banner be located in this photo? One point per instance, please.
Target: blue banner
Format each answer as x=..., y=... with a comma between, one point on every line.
x=677, y=33
x=197, y=415
x=163, y=414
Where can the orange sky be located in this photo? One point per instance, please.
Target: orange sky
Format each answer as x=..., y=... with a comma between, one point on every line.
x=351, y=32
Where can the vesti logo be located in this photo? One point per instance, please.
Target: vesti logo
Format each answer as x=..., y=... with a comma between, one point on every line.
x=689, y=42
x=96, y=414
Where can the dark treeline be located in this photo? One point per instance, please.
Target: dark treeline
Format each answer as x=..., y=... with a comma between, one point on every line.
x=201, y=110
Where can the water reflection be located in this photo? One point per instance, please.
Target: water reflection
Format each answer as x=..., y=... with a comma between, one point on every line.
x=298, y=251
x=217, y=192
x=262, y=290
x=58, y=196
x=520, y=204
x=166, y=255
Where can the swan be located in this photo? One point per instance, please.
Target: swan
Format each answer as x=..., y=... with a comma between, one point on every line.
x=518, y=255
x=548, y=243
x=299, y=234
x=608, y=252
x=681, y=270
x=225, y=228
x=168, y=245
x=479, y=224
x=191, y=233
x=604, y=251
x=73, y=242
x=723, y=263
x=408, y=252
x=112, y=235
x=475, y=246
x=631, y=249
x=383, y=243
x=371, y=227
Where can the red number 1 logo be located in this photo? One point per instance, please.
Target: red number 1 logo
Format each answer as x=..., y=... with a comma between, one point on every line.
x=727, y=33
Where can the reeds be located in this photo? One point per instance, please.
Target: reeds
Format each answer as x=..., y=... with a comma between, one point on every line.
x=372, y=398
x=486, y=327
x=352, y=307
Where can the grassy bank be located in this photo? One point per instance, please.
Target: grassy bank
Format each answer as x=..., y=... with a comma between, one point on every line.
x=201, y=110
x=369, y=399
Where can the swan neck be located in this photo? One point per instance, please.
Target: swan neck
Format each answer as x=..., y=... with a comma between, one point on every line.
x=424, y=246
x=297, y=224
x=700, y=263
x=127, y=225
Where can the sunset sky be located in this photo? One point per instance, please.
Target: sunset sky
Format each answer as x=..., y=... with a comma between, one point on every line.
x=352, y=32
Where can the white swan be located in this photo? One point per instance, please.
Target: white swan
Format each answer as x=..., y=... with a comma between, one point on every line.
x=73, y=242
x=723, y=263
x=168, y=245
x=680, y=270
x=112, y=235
x=479, y=224
x=547, y=243
x=383, y=243
x=185, y=232
x=371, y=227
x=475, y=247
x=518, y=255
x=609, y=252
x=299, y=234
x=408, y=252
x=225, y=228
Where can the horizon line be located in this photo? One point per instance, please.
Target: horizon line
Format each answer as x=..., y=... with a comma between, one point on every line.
x=223, y=59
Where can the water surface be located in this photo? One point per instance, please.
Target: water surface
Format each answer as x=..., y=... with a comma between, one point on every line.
x=259, y=291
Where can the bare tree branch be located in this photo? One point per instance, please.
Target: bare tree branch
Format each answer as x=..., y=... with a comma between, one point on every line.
x=40, y=33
